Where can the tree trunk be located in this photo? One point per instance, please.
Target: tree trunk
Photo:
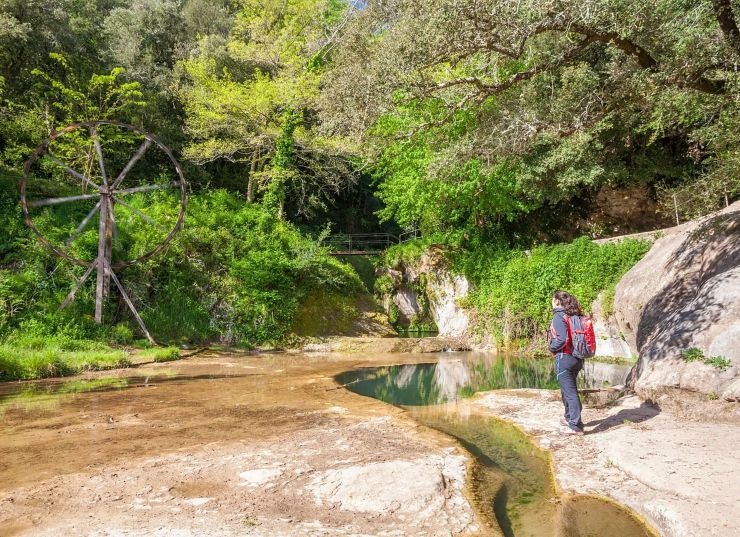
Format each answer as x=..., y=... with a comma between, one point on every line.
x=250, y=182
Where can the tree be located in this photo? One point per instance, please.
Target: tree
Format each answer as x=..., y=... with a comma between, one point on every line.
x=574, y=95
x=252, y=101
x=142, y=38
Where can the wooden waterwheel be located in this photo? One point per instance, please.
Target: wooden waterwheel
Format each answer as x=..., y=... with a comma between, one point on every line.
x=105, y=173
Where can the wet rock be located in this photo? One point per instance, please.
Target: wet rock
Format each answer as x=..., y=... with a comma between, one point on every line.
x=443, y=289
x=407, y=301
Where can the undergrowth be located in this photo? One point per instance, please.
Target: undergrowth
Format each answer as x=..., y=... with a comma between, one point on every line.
x=33, y=356
x=694, y=354
x=513, y=288
x=236, y=274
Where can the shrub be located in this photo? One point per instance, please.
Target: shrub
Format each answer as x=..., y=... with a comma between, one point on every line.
x=236, y=273
x=692, y=354
x=28, y=359
x=121, y=334
x=167, y=354
x=720, y=362
x=513, y=288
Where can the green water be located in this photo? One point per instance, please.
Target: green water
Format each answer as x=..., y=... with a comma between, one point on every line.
x=511, y=479
x=459, y=375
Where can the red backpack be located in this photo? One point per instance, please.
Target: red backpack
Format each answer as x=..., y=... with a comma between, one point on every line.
x=582, y=336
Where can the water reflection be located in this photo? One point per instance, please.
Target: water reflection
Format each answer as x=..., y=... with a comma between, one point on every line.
x=45, y=396
x=456, y=377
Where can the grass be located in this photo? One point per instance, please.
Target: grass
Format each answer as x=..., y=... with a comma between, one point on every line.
x=29, y=359
x=167, y=354
x=693, y=354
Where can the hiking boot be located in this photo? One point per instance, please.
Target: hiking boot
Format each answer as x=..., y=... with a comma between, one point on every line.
x=567, y=431
x=563, y=422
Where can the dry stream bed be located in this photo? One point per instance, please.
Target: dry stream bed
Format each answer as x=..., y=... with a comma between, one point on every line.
x=272, y=444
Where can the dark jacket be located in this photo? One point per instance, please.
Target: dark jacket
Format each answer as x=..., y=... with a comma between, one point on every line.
x=559, y=341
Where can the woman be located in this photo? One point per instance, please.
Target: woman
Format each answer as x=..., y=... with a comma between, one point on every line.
x=567, y=366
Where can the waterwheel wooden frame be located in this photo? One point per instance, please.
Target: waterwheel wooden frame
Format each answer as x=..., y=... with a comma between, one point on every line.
x=108, y=194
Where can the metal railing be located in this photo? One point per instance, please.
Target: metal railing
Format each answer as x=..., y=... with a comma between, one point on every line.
x=366, y=243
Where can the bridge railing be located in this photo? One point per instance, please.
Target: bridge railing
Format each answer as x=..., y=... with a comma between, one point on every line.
x=361, y=243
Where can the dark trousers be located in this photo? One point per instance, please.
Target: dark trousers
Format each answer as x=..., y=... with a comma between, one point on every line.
x=567, y=368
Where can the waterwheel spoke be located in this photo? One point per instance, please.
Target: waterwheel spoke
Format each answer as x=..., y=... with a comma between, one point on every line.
x=99, y=151
x=128, y=301
x=73, y=292
x=66, y=199
x=147, y=188
x=141, y=215
x=130, y=164
x=69, y=170
x=83, y=224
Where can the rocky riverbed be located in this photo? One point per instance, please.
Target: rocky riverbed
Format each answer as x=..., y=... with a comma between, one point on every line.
x=226, y=444
x=270, y=444
x=683, y=476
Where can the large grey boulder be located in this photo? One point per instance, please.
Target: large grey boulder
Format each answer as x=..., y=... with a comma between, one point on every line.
x=685, y=293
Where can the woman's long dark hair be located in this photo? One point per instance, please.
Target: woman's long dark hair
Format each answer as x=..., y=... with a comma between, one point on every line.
x=569, y=302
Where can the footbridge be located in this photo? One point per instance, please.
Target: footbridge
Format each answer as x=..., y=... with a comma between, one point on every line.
x=366, y=243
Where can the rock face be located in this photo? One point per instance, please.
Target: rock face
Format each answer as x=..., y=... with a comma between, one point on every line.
x=442, y=289
x=686, y=293
x=610, y=341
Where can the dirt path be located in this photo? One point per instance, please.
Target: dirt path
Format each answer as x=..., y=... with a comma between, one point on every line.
x=683, y=476
x=228, y=445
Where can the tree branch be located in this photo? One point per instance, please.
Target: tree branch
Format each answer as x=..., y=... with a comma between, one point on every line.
x=643, y=58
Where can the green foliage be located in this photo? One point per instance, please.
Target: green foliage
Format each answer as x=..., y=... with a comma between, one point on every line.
x=78, y=98
x=720, y=362
x=236, y=273
x=513, y=289
x=384, y=285
x=167, y=354
x=325, y=313
x=406, y=253
x=693, y=354
x=252, y=101
x=121, y=334
x=142, y=37
x=422, y=184
x=480, y=112
x=30, y=354
x=393, y=313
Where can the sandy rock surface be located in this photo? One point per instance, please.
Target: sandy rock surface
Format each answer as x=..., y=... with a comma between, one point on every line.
x=228, y=444
x=362, y=478
x=682, y=476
